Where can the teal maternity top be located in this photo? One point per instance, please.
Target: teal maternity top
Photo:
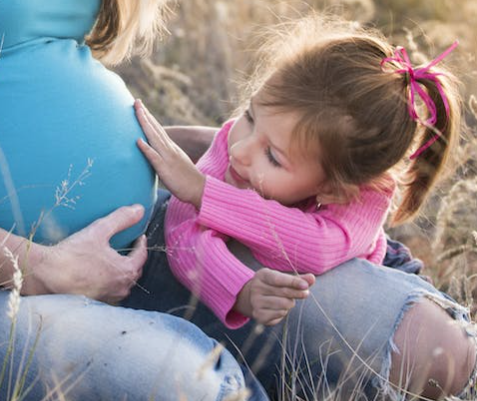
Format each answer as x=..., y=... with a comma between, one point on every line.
x=67, y=126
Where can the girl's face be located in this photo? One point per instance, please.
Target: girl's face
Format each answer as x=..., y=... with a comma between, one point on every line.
x=261, y=157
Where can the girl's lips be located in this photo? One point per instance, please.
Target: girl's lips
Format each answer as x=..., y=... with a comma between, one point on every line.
x=236, y=176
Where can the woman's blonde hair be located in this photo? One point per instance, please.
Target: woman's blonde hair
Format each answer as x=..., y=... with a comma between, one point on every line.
x=127, y=27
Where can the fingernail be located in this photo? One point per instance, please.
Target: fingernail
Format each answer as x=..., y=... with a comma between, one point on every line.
x=303, y=285
x=137, y=208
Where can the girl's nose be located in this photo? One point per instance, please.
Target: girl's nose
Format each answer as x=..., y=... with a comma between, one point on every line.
x=242, y=151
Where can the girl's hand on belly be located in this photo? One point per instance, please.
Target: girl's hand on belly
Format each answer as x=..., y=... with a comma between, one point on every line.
x=175, y=169
x=85, y=264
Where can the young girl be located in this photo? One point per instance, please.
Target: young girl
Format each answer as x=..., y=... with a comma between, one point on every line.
x=304, y=177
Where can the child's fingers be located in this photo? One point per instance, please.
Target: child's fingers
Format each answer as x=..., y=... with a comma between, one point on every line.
x=151, y=155
x=284, y=292
x=274, y=321
x=139, y=105
x=148, y=128
x=153, y=120
x=276, y=303
x=155, y=133
x=279, y=279
x=158, y=128
x=147, y=149
x=309, y=278
x=269, y=317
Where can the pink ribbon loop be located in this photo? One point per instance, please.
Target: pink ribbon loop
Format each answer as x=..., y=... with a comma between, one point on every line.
x=401, y=58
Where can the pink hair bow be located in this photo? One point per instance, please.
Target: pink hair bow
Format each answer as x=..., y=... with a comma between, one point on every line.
x=415, y=74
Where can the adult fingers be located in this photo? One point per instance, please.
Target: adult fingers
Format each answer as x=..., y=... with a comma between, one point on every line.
x=117, y=221
x=138, y=255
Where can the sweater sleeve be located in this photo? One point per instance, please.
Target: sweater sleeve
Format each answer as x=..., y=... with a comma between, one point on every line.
x=290, y=239
x=201, y=261
x=198, y=256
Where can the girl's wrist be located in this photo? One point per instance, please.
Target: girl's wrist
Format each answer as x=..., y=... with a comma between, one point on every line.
x=198, y=191
x=243, y=304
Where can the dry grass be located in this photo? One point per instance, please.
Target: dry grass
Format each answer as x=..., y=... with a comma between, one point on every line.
x=211, y=44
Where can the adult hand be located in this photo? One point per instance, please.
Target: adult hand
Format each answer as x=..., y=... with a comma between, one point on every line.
x=270, y=294
x=85, y=263
x=175, y=169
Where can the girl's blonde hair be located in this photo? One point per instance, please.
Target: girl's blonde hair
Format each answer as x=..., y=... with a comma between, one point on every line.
x=329, y=73
x=126, y=27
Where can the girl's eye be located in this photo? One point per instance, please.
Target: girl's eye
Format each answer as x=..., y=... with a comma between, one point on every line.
x=271, y=157
x=248, y=116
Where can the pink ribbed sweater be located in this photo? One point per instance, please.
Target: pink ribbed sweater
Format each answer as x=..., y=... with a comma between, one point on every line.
x=292, y=239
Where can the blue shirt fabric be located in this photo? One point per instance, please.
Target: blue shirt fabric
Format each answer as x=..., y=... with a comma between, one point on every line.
x=67, y=126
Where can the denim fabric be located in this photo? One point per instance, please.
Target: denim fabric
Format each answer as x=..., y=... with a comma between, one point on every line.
x=336, y=342
x=398, y=256
x=85, y=350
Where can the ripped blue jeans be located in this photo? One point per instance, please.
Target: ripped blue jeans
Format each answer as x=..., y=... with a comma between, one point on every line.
x=67, y=347
x=335, y=344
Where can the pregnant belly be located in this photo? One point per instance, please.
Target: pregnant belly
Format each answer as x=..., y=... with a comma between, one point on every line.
x=67, y=135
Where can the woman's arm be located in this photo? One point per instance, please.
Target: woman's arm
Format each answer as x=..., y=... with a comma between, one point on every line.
x=19, y=252
x=83, y=263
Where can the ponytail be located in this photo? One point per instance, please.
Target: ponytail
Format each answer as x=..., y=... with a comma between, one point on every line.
x=436, y=145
